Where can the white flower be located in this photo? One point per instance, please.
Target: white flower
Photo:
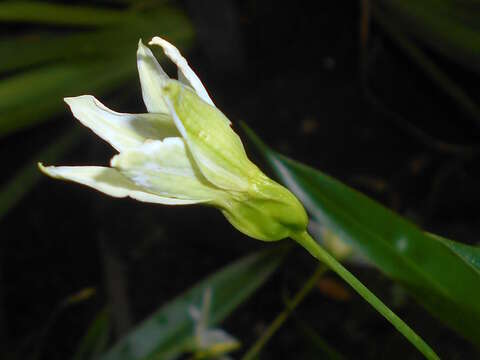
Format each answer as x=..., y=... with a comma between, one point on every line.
x=183, y=151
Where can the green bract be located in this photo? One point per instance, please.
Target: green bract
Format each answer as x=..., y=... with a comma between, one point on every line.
x=183, y=151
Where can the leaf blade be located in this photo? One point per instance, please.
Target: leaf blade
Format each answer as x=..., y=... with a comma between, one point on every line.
x=58, y=14
x=169, y=330
x=397, y=247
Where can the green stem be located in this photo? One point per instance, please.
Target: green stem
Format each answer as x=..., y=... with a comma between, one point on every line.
x=321, y=254
x=283, y=316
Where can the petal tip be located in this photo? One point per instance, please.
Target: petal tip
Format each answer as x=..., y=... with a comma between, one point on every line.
x=186, y=74
x=114, y=161
x=156, y=40
x=68, y=100
x=142, y=49
x=170, y=50
x=71, y=100
x=47, y=170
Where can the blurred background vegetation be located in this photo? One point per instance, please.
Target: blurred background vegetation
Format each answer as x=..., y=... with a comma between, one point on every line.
x=381, y=94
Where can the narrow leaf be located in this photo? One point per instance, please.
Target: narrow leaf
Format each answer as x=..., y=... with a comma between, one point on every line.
x=168, y=332
x=449, y=27
x=35, y=96
x=59, y=14
x=440, y=274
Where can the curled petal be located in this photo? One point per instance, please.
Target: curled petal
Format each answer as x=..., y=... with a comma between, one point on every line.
x=122, y=131
x=216, y=148
x=186, y=74
x=152, y=79
x=109, y=181
x=165, y=168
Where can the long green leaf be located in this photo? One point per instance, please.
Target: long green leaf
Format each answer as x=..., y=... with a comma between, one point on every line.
x=166, y=333
x=470, y=254
x=107, y=44
x=36, y=96
x=450, y=27
x=443, y=277
x=24, y=51
x=435, y=72
x=59, y=14
x=82, y=62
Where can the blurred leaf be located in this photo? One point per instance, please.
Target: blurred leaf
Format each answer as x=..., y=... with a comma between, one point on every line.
x=470, y=254
x=95, y=340
x=450, y=27
x=23, y=181
x=438, y=76
x=167, y=333
x=22, y=51
x=442, y=275
x=37, y=95
x=105, y=44
x=79, y=62
x=59, y=14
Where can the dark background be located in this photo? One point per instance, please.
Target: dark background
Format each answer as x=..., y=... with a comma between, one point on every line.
x=298, y=75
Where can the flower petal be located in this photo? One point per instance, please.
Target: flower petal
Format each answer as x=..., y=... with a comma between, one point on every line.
x=165, y=168
x=217, y=149
x=152, y=79
x=109, y=181
x=186, y=74
x=122, y=131
x=219, y=340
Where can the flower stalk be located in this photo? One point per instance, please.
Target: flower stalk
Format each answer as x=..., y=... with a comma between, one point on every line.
x=308, y=243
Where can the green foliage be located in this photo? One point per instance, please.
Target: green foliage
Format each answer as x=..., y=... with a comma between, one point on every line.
x=392, y=18
x=440, y=274
x=42, y=66
x=322, y=255
x=59, y=14
x=36, y=95
x=94, y=52
x=170, y=330
x=449, y=27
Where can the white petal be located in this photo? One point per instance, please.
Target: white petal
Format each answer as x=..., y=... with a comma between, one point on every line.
x=122, y=131
x=214, y=337
x=109, y=181
x=195, y=314
x=165, y=168
x=189, y=75
x=152, y=79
